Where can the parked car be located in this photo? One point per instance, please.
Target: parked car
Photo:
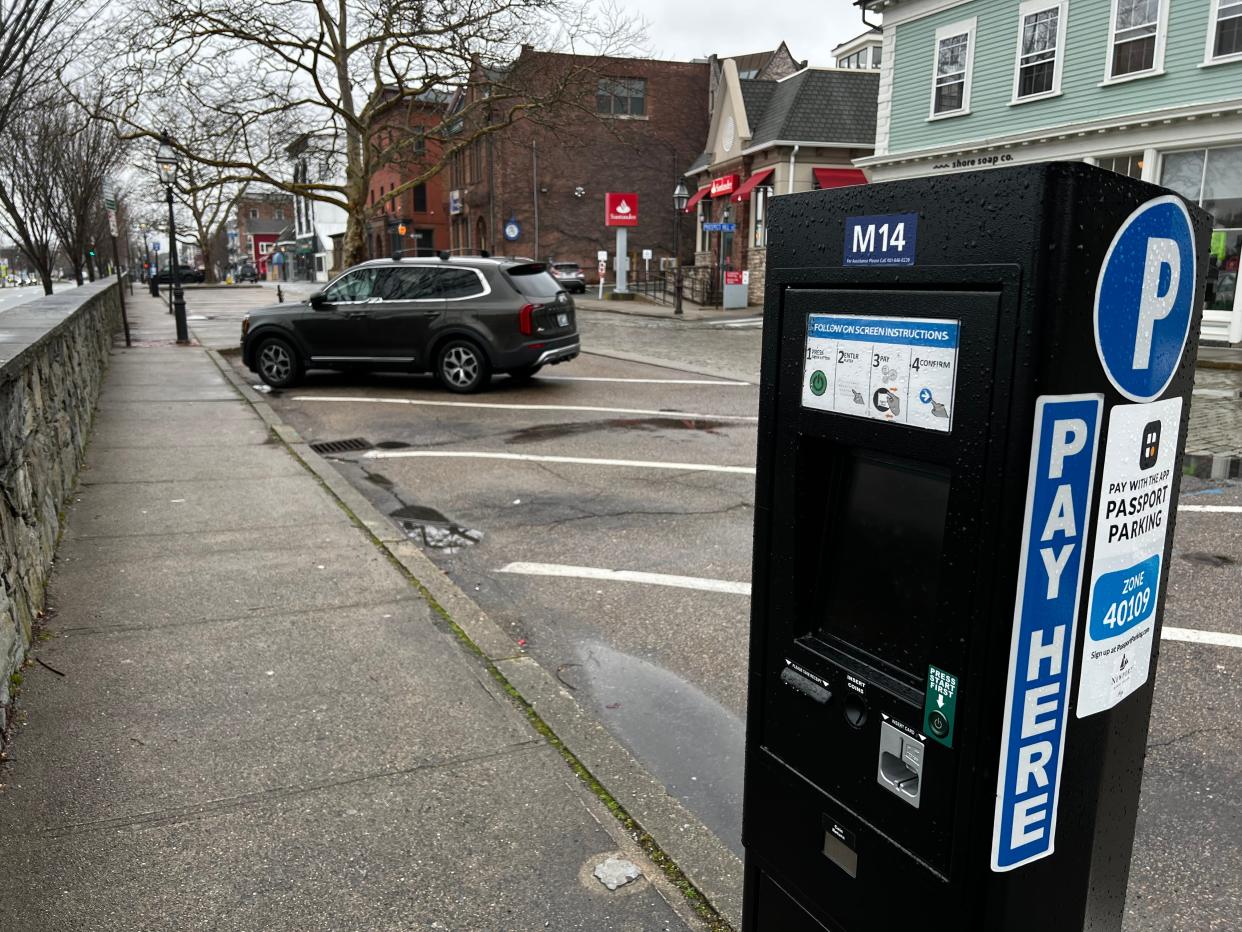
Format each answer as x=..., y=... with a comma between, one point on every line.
x=246, y=273
x=187, y=274
x=569, y=274
x=459, y=318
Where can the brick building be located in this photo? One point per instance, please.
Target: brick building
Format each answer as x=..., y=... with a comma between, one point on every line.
x=260, y=218
x=409, y=136
x=631, y=125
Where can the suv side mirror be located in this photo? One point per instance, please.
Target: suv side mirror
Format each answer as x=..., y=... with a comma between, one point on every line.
x=317, y=300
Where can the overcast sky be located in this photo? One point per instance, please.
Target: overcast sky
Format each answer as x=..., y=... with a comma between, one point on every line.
x=686, y=29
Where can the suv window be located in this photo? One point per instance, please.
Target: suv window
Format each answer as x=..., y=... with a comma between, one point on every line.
x=533, y=281
x=352, y=286
x=411, y=283
x=453, y=283
x=567, y=267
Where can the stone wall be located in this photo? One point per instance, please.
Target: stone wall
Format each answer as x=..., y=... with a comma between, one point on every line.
x=53, y=353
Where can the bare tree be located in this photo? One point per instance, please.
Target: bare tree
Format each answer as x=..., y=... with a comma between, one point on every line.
x=206, y=192
x=74, y=171
x=338, y=74
x=26, y=205
x=27, y=44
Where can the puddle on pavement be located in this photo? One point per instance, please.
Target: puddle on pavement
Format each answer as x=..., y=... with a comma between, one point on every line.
x=556, y=431
x=428, y=527
x=1212, y=466
x=1208, y=559
x=391, y=445
x=378, y=478
x=689, y=741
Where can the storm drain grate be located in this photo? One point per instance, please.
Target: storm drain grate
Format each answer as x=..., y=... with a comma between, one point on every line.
x=353, y=445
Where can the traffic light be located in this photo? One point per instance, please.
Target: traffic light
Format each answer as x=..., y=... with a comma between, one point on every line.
x=91, y=252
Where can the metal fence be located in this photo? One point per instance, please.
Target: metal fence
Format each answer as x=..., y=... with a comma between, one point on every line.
x=659, y=287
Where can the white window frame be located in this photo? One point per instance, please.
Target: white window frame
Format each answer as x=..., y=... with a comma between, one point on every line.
x=966, y=26
x=1157, y=64
x=1209, y=58
x=1058, y=61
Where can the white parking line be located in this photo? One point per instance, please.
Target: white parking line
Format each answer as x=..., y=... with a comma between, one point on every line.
x=511, y=407
x=532, y=458
x=1213, y=509
x=595, y=378
x=651, y=579
x=1189, y=635
x=1219, y=638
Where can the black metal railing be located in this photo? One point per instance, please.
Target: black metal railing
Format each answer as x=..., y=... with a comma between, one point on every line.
x=658, y=287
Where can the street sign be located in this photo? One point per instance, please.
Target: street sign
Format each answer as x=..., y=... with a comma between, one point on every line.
x=512, y=229
x=109, y=196
x=720, y=227
x=112, y=222
x=601, y=256
x=621, y=209
x=1144, y=297
x=647, y=255
x=603, y=268
x=155, y=246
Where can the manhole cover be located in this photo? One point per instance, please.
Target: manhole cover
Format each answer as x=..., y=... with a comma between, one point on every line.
x=353, y=445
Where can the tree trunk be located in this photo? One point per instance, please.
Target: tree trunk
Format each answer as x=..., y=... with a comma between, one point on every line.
x=45, y=276
x=77, y=271
x=209, y=263
x=354, y=248
x=90, y=269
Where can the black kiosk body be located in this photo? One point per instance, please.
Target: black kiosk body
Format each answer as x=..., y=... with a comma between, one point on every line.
x=974, y=404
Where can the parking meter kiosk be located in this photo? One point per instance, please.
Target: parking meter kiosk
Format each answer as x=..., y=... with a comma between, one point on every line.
x=974, y=404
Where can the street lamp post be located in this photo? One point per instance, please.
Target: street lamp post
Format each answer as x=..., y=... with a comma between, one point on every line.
x=681, y=196
x=725, y=216
x=166, y=162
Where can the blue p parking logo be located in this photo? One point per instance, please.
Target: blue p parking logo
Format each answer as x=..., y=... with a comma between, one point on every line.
x=1144, y=297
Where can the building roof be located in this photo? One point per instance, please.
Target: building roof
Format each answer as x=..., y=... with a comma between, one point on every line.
x=816, y=105
x=870, y=37
x=704, y=159
x=265, y=226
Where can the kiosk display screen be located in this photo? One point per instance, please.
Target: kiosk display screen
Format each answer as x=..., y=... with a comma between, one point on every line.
x=880, y=561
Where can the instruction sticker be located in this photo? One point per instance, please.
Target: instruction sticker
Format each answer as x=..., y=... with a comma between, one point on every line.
x=902, y=370
x=1131, y=526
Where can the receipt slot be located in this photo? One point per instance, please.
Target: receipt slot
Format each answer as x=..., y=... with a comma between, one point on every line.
x=974, y=404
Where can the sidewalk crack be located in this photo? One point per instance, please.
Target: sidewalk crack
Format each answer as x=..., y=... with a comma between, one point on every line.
x=228, y=803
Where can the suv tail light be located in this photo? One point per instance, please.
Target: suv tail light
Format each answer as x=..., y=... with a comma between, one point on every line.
x=526, y=319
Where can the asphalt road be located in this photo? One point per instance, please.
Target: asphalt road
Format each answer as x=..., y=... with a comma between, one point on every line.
x=651, y=476
x=15, y=297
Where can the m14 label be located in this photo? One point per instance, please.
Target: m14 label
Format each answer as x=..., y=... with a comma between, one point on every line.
x=885, y=239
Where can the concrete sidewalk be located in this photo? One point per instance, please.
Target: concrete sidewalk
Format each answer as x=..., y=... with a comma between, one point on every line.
x=244, y=716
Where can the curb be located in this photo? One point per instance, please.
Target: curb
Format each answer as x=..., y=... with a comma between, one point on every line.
x=713, y=869
x=1229, y=365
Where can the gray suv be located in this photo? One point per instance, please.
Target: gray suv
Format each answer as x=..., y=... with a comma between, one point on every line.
x=461, y=319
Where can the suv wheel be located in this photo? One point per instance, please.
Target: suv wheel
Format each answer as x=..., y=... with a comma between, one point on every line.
x=278, y=363
x=462, y=367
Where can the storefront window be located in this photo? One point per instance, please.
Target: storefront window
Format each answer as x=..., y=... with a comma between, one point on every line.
x=1131, y=165
x=1213, y=179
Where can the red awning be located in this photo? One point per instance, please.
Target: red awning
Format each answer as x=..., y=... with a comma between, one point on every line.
x=697, y=196
x=751, y=183
x=838, y=177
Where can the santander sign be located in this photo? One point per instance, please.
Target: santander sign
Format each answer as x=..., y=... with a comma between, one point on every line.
x=621, y=209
